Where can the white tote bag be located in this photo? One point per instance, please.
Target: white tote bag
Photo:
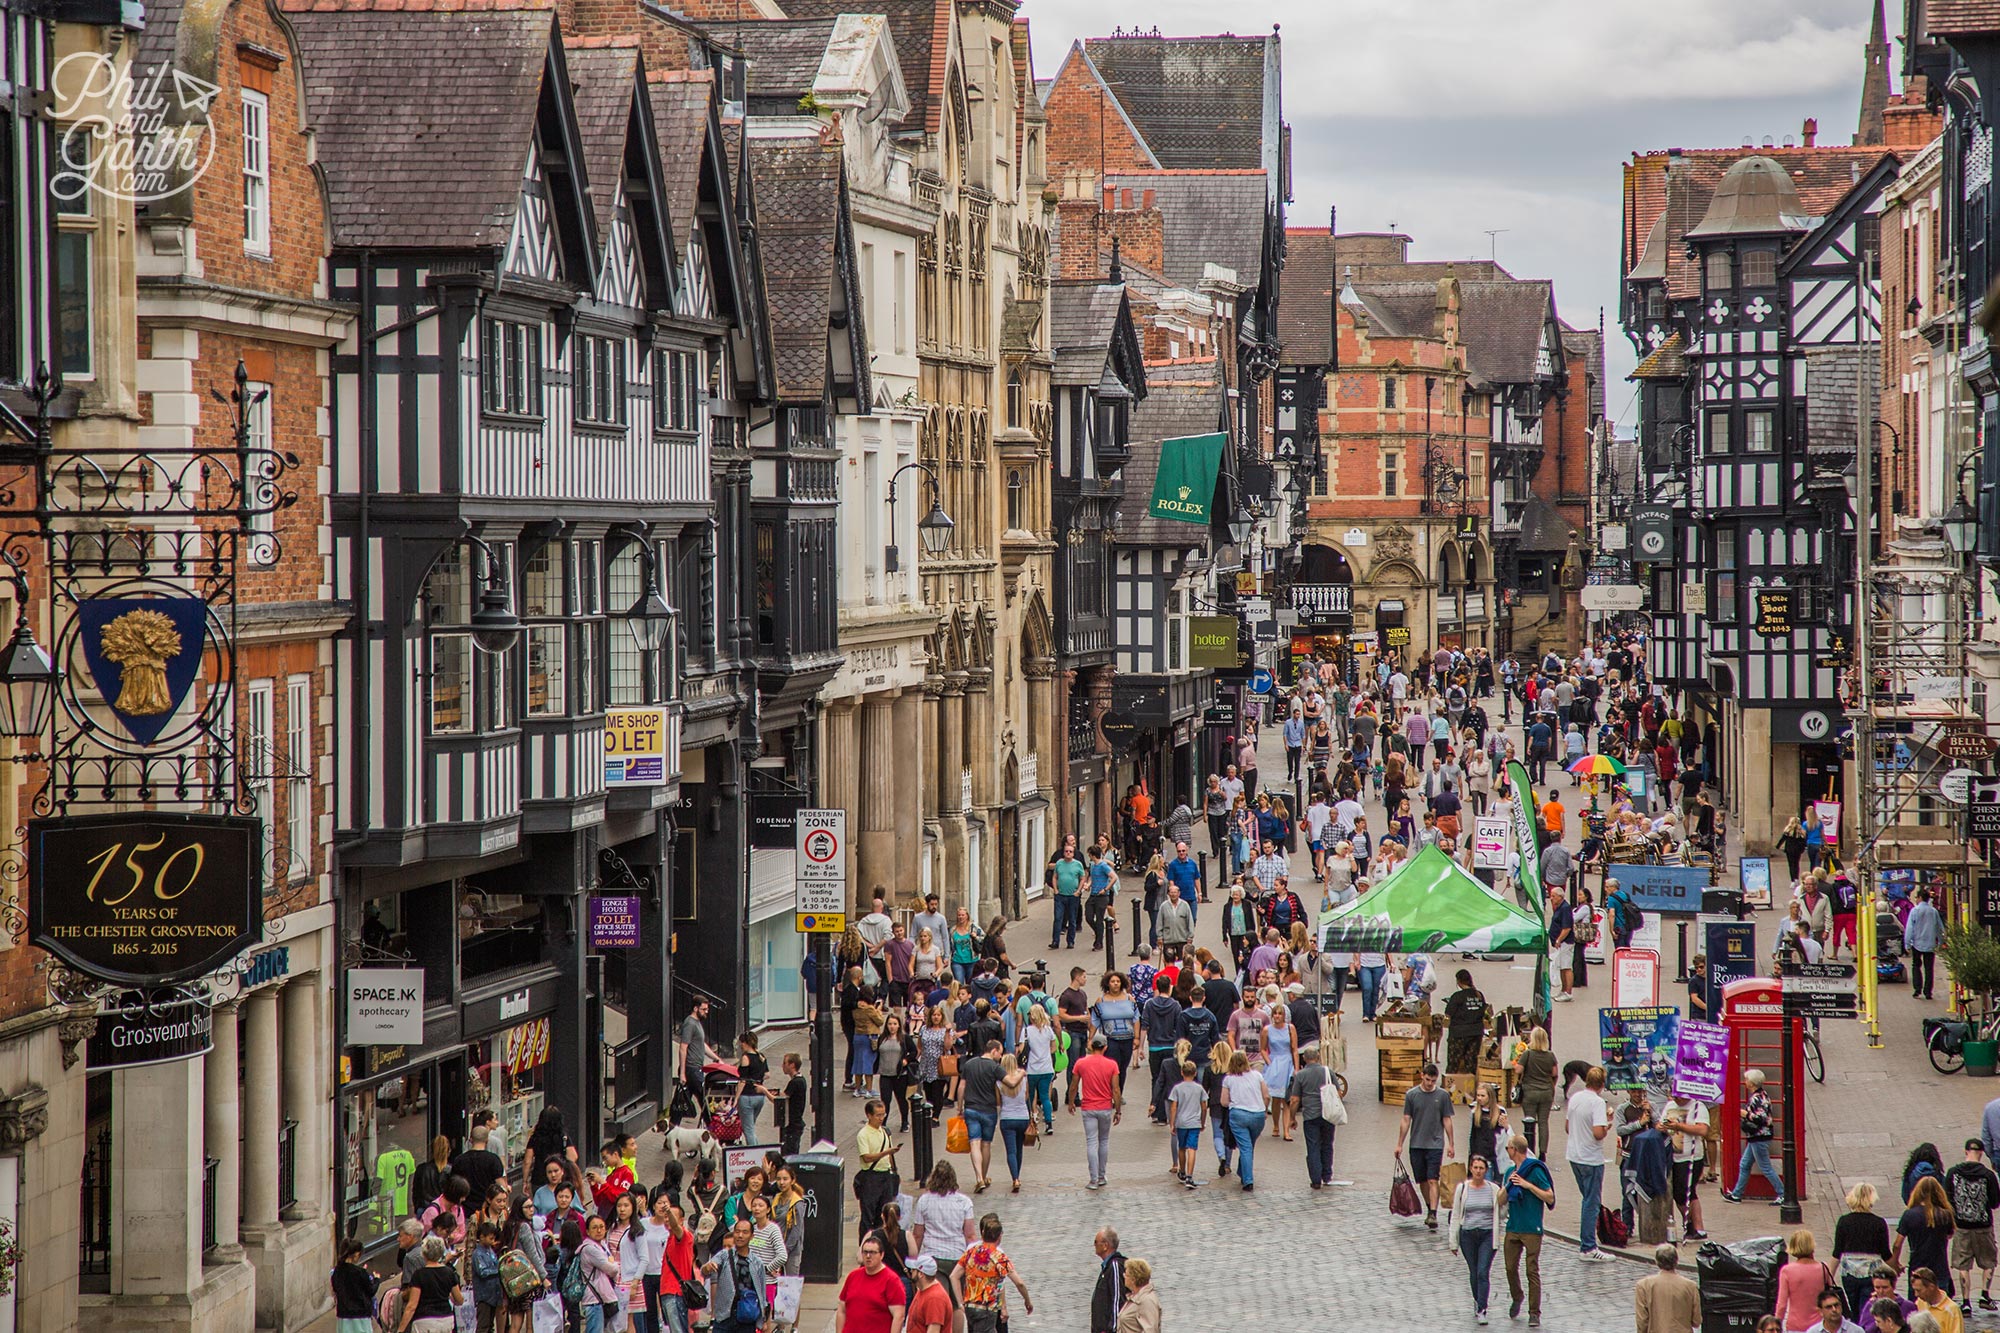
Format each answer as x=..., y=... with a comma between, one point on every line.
x=548, y=1314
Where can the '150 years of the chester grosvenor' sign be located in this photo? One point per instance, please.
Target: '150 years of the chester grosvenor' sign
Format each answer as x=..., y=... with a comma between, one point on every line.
x=146, y=896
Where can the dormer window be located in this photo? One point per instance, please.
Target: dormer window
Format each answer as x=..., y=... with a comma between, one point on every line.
x=1656, y=303
x=1718, y=275
x=1760, y=268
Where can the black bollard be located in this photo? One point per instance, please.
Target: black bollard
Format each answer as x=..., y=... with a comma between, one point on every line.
x=1138, y=935
x=921, y=1122
x=1203, y=856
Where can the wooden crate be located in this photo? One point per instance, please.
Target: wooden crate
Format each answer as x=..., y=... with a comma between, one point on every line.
x=1398, y=1067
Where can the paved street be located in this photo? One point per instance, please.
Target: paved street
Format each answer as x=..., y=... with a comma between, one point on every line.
x=1874, y=1106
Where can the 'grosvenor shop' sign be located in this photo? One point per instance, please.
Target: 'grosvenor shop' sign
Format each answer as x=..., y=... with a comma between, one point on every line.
x=134, y=1029
x=145, y=897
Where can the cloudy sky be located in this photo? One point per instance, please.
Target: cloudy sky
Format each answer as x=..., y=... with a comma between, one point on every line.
x=1454, y=117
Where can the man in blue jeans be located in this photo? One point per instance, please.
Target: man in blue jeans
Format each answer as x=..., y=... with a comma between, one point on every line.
x=1755, y=1123
x=1066, y=878
x=1589, y=1124
x=1184, y=872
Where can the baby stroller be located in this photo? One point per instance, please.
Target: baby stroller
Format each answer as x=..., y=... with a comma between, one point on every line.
x=722, y=1085
x=1889, y=947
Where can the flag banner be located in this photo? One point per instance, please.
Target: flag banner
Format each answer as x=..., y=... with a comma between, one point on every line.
x=1184, y=485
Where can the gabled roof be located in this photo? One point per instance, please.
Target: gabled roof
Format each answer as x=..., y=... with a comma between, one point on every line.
x=1090, y=332
x=603, y=78
x=1668, y=361
x=1502, y=324
x=426, y=150
x=1543, y=530
x=1185, y=398
x=922, y=31
x=1197, y=102
x=1942, y=18
x=1397, y=309
x=1305, y=297
x=681, y=102
x=784, y=54
x=1209, y=217
x=1821, y=175
x=799, y=209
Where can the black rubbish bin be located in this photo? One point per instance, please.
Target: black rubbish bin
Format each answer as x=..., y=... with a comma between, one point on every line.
x=823, y=1178
x=1739, y=1282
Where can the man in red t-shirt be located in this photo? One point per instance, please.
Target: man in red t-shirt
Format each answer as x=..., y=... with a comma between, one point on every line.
x=930, y=1308
x=871, y=1299
x=1102, y=1104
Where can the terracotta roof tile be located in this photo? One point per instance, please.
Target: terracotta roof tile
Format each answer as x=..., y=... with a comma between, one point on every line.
x=1668, y=361
x=1305, y=297
x=1946, y=18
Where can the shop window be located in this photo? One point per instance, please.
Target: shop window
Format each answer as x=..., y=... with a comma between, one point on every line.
x=498, y=932
x=507, y=1072
x=385, y=1136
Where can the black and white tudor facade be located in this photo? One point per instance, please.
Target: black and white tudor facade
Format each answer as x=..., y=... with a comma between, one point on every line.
x=543, y=399
x=1748, y=413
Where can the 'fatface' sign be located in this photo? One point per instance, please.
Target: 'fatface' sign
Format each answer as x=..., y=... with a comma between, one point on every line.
x=145, y=897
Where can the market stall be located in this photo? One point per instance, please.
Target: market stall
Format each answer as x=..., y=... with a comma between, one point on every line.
x=1430, y=905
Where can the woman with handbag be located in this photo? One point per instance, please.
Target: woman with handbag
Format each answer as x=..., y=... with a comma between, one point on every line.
x=875, y=1178
x=1475, y=1214
x=936, y=1065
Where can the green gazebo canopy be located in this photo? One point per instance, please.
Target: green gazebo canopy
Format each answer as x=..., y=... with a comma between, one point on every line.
x=1430, y=905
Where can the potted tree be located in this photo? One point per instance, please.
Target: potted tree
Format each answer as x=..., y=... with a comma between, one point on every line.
x=1973, y=955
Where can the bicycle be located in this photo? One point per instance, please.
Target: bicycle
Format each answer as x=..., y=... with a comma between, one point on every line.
x=1815, y=1061
x=1945, y=1040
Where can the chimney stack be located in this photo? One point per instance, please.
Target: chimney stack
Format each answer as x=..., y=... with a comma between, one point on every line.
x=1125, y=199
x=1110, y=197
x=1146, y=200
x=1811, y=131
x=1769, y=142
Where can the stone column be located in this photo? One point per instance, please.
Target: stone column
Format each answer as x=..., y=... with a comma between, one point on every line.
x=837, y=784
x=880, y=759
x=157, y=1178
x=222, y=1129
x=982, y=738
x=260, y=1108
x=304, y=1100
x=909, y=777
x=952, y=739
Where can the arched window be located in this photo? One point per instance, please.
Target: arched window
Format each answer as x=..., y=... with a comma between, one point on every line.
x=1014, y=491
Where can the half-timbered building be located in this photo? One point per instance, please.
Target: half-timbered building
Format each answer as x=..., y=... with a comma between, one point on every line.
x=1098, y=380
x=521, y=469
x=1759, y=319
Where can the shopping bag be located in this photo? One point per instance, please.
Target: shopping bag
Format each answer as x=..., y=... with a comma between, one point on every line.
x=1404, y=1201
x=786, y=1298
x=1332, y=1045
x=548, y=1314
x=1449, y=1177
x=957, y=1135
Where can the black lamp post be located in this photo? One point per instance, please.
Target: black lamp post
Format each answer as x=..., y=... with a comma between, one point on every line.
x=934, y=529
x=495, y=627
x=651, y=619
x=27, y=675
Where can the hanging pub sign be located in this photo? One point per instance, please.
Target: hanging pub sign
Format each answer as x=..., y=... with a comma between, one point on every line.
x=143, y=897
x=1120, y=730
x=1653, y=533
x=1774, y=612
x=143, y=654
x=138, y=1028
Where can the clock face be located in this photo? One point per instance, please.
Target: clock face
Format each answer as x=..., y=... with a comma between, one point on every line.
x=1652, y=543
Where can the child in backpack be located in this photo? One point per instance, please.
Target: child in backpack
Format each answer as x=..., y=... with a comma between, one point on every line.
x=488, y=1295
x=353, y=1291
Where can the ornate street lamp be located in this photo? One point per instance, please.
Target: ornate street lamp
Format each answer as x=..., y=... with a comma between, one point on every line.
x=934, y=529
x=495, y=627
x=651, y=619
x=27, y=676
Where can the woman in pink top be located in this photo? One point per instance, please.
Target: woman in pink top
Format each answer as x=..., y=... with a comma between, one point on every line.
x=1799, y=1284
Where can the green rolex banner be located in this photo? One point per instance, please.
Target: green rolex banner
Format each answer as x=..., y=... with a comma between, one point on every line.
x=1184, y=486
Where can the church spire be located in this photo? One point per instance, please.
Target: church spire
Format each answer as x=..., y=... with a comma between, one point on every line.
x=1870, y=131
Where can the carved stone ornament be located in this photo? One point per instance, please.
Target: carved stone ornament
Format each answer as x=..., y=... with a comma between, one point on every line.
x=72, y=1033
x=23, y=1117
x=1394, y=541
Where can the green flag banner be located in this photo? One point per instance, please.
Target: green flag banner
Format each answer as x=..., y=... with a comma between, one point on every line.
x=1528, y=880
x=1184, y=486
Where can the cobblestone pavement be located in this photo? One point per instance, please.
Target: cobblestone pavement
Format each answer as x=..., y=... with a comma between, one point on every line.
x=1284, y=1252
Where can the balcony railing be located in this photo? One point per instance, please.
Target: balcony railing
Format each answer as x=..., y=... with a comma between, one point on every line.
x=1314, y=600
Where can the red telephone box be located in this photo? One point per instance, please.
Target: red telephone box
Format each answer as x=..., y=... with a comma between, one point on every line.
x=1753, y=1012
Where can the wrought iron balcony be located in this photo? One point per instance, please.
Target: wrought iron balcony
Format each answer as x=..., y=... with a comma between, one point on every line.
x=1317, y=600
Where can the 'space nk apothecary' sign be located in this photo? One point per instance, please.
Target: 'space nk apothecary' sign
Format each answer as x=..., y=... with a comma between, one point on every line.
x=146, y=897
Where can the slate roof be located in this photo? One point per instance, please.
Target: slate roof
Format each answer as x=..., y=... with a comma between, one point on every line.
x=1823, y=176
x=921, y=30
x=1197, y=101
x=1941, y=17
x=1183, y=398
x=1543, y=530
x=798, y=213
x=1305, y=298
x=1501, y=323
x=1668, y=361
x=1083, y=317
x=784, y=54
x=1209, y=217
x=425, y=150
x=603, y=79
x=1398, y=309
x=157, y=38
x=680, y=103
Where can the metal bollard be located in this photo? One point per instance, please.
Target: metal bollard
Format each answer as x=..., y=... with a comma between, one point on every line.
x=921, y=1123
x=1138, y=935
x=1203, y=858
